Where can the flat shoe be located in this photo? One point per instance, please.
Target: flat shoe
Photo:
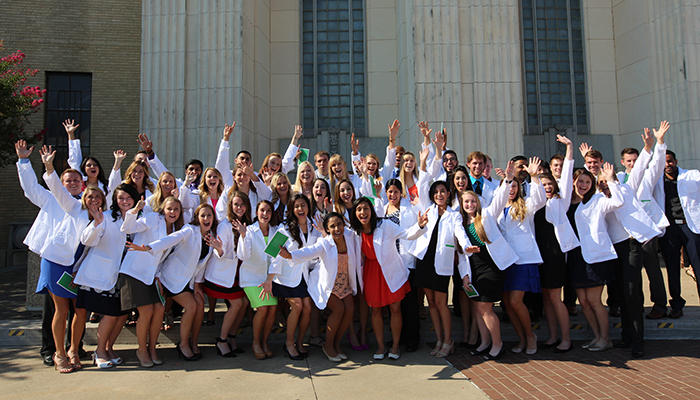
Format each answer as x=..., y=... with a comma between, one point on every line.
x=607, y=345
x=559, y=351
x=489, y=357
x=342, y=356
x=379, y=356
x=550, y=345
x=394, y=356
x=589, y=344
x=517, y=350
x=477, y=352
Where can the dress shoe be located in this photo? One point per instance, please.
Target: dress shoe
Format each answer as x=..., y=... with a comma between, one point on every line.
x=550, y=345
x=606, y=346
x=656, y=314
x=560, y=351
x=614, y=311
x=48, y=360
x=675, y=314
x=488, y=356
x=477, y=352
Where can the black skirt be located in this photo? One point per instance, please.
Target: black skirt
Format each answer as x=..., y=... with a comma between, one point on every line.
x=105, y=303
x=487, y=279
x=299, y=291
x=135, y=294
x=553, y=267
x=584, y=275
x=426, y=276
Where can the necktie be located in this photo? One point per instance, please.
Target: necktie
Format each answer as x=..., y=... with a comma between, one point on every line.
x=477, y=187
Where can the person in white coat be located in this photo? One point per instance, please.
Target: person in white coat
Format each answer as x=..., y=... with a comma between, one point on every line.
x=243, y=179
x=333, y=282
x=304, y=182
x=490, y=256
x=338, y=170
x=383, y=276
x=98, y=270
x=516, y=222
x=555, y=237
x=136, y=175
x=46, y=240
x=255, y=277
x=291, y=280
x=181, y=273
x=435, y=251
x=590, y=265
x=221, y=275
x=137, y=275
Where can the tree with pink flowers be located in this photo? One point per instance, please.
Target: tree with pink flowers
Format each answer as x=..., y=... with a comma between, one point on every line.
x=17, y=103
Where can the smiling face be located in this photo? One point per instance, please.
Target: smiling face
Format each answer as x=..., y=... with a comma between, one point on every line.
x=520, y=171
x=282, y=187
x=91, y=168
x=393, y=194
x=628, y=161
x=301, y=209
x=138, y=174
x=555, y=167
x=319, y=191
x=460, y=180
x=409, y=163
x=274, y=164
x=363, y=214
x=167, y=184
x=514, y=189
x=171, y=211
x=671, y=165
x=372, y=166
x=238, y=207
x=264, y=214
x=400, y=151
x=241, y=178
x=206, y=219
x=306, y=174
x=93, y=199
x=73, y=182
x=440, y=196
x=449, y=162
x=211, y=179
x=243, y=159
x=593, y=164
x=196, y=169
x=582, y=185
x=476, y=167
x=470, y=204
x=338, y=168
x=336, y=228
x=346, y=193
x=548, y=187
x=124, y=201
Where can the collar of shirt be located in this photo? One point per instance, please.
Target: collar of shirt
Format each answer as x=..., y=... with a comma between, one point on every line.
x=480, y=179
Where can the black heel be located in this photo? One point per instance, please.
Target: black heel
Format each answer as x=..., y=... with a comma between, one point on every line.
x=288, y=354
x=476, y=352
x=488, y=356
x=237, y=350
x=230, y=354
x=180, y=354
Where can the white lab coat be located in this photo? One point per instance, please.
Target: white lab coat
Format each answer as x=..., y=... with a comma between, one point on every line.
x=596, y=245
x=251, y=250
x=408, y=216
x=521, y=234
x=104, y=245
x=287, y=273
x=556, y=208
x=222, y=270
x=148, y=228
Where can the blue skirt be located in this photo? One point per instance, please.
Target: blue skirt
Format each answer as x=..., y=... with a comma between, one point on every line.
x=48, y=279
x=523, y=277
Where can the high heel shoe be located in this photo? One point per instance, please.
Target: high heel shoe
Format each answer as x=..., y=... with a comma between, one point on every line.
x=488, y=356
x=229, y=354
x=288, y=354
x=116, y=360
x=61, y=364
x=147, y=364
x=102, y=364
x=75, y=361
x=180, y=354
x=334, y=359
x=352, y=346
x=259, y=356
x=237, y=350
x=446, y=350
x=477, y=352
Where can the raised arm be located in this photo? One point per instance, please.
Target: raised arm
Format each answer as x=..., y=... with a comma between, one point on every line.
x=75, y=153
x=154, y=162
x=68, y=203
x=223, y=163
x=33, y=191
x=291, y=154
x=657, y=164
x=615, y=201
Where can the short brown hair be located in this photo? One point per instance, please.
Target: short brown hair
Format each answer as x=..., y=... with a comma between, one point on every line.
x=629, y=150
x=594, y=154
x=556, y=157
x=476, y=154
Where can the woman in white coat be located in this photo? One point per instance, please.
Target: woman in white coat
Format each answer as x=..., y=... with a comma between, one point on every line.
x=490, y=255
x=383, y=276
x=590, y=264
x=555, y=237
x=291, y=280
x=333, y=282
x=435, y=251
x=181, y=273
x=98, y=271
x=255, y=278
x=516, y=223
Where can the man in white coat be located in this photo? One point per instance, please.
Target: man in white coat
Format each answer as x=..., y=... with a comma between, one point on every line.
x=680, y=189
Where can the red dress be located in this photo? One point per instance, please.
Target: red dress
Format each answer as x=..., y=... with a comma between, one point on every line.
x=377, y=292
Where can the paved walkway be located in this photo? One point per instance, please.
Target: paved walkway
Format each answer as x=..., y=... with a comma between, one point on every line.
x=668, y=371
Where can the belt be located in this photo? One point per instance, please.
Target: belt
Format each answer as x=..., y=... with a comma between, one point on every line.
x=679, y=221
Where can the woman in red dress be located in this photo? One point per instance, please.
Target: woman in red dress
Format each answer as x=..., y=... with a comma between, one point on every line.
x=384, y=277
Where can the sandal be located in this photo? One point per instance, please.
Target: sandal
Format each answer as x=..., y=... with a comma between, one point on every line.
x=437, y=348
x=75, y=361
x=446, y=350
x=61, y=364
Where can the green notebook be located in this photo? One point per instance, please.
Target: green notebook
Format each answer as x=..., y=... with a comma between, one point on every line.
x=66, y=282
x=273, y=247
x=304, y=156
x=470, y=291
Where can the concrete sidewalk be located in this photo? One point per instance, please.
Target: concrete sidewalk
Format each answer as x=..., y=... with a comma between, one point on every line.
x=413, y=376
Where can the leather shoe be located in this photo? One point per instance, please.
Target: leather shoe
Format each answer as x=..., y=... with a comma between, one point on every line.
x=656, y=314
x=48, y=360
x=675, y=314
x=622, y=344
x=614, y=311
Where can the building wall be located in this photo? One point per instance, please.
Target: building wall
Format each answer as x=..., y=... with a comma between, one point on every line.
x=102, y=37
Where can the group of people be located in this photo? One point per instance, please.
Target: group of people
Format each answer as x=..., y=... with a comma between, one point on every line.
x=375, y=236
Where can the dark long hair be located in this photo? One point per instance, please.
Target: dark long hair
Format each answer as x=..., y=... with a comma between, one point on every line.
x=100, y=172
x=231, y=216
x=355, y=223
x=130, y=190
x=292, y=222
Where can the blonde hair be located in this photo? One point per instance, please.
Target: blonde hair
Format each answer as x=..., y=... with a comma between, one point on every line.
x=518, y=208
x=146, y=175
x=266, y=161
x=478, y=223
x=86, y=193
x=402, y=173
x=379, y=163
x=158, y=196
x=273, y=186
x=337, y=158
x=297, y=187
x=204, y=193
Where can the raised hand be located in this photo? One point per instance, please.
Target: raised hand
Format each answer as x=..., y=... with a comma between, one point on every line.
x=648, y=139
x=214, y=242
x=228, y=130
x=569, y=146
x=21, y=149
x=584, y=148
x=70, y=127
x=139, y=206
x=355, y=145
x=190, y=177
x=659, y=134
x=509, y=173
x=608, y=172
x=394, y=130
x=175, y=193
x=240, y=227
x=266, y=176
x=318, y=221
x=439, y=143
x=533, y=166
x=444, y=140
x=326, y=206
x=145, y=143
x=423, y=157
x=425, y=131
x=96, y=214
x=500, y=172
x=119, y=156
x=298, y=133
x=378, y=185
x=422, y=219
x=47, y=155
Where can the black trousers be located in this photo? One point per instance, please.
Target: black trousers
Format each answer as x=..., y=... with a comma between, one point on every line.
x=48, y=347
x=678, y=236
x=628, y=282
x=650, y=260
x=410, y=330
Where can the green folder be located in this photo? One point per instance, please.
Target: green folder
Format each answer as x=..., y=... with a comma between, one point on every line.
x=273, y=247
x=470, y=291
x=66, y=282
x=374, y=190
x=304, y=156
